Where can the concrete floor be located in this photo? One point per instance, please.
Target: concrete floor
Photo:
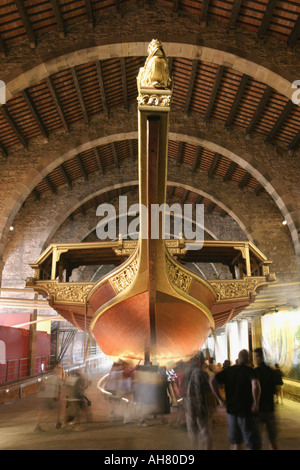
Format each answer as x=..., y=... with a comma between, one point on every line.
x=18, y=420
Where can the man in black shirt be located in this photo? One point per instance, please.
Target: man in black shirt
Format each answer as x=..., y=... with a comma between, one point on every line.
x=242, y=391
x=266, y=377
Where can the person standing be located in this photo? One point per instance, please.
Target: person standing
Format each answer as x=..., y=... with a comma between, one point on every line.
x=266, y=415
x=242, y=393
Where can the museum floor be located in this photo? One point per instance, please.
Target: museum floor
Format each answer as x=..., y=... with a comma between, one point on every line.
x=18, y=420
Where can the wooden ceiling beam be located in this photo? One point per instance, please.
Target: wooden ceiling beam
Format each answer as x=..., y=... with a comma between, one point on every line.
x=214, y=165
x=101, y=86
x=214, y=93
x=25, y=20
x=115, y=156
x=191, y=86
x=98, y=158
x=58, y=17
x=35, y=113
x=245, y=180
x=89, y=12
x=180, y=153
x=3, y=149
x=267, y=18
x=199, y=199
x=204, y=11
x=175, y=5
x=185, y=196
x=259, y=110
x=230, y=171
x=235, y=13
x=81, y=165
x=197, y=159
x=237, y=100
x=65, y=175
x=211, y=207
x=14, y=126
x=36, y=194
x=79, y=94
x=280, y=121
x=171, y=192
x=3, y=49
x=293, y=37
x=295, y=142
x=259, y=190
x=50, y=185
x=124, y=82
x=56, y=100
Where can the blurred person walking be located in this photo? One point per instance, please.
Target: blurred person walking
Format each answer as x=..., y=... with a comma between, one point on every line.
x=76, y=401
x=267, y=380
x=177, y=392
x=200, y=405
x=242, y=392
x=278, y=384
x=51, y=399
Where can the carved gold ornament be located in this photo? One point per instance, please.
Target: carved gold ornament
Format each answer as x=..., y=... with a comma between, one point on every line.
x=124, y=278
x=64, y=292
x=154, y=100
x=177, y=276
x=238, y=289
x=155, y=72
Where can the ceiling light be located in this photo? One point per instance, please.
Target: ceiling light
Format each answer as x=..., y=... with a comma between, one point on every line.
x=284, y=222
x=11, y=228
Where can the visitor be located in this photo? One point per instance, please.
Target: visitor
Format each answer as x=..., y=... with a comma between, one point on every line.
x=242, y=392
x=200, y=406
x=278, y=384
x=266, y=415
x=51, y=400
x=177, y=392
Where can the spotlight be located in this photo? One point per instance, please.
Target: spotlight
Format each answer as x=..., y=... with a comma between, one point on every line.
x=11, y=228
x=284, y=222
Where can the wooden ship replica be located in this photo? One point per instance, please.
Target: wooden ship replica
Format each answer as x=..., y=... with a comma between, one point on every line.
x=151, y=307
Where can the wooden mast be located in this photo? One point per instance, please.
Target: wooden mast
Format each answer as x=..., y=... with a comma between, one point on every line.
x=154, y=107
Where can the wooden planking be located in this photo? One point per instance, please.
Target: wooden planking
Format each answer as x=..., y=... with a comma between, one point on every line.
x=181, y=70
x=206, y=160
x=112, y=78
x=72, y=169
x=44, y=16
x=215, y=93
x=89, y=85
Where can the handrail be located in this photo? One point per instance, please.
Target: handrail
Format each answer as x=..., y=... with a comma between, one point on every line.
x=18, y=368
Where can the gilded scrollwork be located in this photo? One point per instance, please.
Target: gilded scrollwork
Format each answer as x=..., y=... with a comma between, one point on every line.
x=124, y=278
x=63, y=292
x=154, y=100
x=228, y=290
x=177, y=276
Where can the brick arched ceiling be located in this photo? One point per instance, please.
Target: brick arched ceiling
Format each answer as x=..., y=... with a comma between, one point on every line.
x=29, y=19
x=103, y=157
x=209, y=90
